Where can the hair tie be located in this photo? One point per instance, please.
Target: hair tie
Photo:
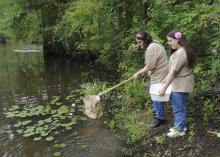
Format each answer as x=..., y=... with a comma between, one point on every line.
x=178, y=35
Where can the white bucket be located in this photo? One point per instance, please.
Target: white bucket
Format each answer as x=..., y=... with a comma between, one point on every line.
x=154, y=89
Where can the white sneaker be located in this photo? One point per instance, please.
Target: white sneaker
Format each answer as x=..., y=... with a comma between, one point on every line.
x=173, y=129
x=175, y=133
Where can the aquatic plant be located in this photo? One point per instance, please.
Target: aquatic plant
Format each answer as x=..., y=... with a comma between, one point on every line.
x=44, y=122
x=93, y=88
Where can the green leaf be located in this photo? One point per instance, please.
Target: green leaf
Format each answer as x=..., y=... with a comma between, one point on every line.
x=68, y=128
x=83, y=146
x=56, y=145
x=19, y=131
x=28, y=134
x=62, y=145
x=44, y=134
x=58, y=103
x=18, y=124
x=48, y=120
x=15, y=107
x=26, y=122
x=57, y=154
x=50, y=138
x=37, y=139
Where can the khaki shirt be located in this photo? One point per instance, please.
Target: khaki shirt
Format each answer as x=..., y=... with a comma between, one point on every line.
x=156, y=62
x=184, y=80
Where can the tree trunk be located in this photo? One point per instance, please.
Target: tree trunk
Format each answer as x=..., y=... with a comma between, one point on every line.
x=50, y=45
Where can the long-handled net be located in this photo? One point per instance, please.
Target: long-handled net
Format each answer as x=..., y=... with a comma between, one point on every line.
x=93, y=106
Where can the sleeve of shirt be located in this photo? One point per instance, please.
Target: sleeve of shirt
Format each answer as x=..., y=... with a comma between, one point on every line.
x=151, y=57
x=178, y=61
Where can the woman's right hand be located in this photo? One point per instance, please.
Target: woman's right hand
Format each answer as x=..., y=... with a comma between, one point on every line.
x=136, y=75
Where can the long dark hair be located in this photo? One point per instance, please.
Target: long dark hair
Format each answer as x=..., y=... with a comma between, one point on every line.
x=146, y=37
x=191, y=58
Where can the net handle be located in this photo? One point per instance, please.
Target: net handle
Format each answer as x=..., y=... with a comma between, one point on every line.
x=123, y=82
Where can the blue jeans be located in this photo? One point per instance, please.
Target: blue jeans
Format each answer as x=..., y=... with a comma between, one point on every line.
x=158, y=107
x=179, y=103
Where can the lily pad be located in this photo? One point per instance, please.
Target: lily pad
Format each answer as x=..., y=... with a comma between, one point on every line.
x=56, y=145
x=57, y=154
x=15, y=107
x=37, y=139
x=58, y=103
x=26, y=122
x=28, y=134
x=10, y=115
x=48, y=120
x=61, y=145
x=19, y=131
x=68, y=128
x=41, y=122
x=44, y=134
x=50, y=138
x=83, y=146
x=18, y=125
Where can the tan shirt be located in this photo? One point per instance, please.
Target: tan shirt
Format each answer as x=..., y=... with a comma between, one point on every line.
x=184, y=80
x=156, y=62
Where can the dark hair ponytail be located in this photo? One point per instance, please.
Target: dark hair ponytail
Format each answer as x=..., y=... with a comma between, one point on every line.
x=146, y=37
x=191, y=58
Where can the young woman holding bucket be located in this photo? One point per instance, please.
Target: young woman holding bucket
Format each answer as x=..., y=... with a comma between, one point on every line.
x=156, y=66
x=180, y=77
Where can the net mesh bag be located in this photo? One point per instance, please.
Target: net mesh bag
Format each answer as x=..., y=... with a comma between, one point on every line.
x=93, y=107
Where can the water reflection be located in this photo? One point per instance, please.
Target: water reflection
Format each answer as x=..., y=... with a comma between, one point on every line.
x=28, y=79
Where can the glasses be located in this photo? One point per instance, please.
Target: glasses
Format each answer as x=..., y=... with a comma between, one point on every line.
x=138, y=41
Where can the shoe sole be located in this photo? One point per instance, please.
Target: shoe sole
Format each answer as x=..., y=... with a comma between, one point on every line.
x=162, y=122
x=184, y=129
x=177, y=135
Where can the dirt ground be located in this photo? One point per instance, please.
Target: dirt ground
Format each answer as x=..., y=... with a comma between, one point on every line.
x=196, y=143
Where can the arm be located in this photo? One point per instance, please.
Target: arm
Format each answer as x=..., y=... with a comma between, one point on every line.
x=151, y=58
x=141, y=72
x=164, y=80
x=177, y=63
x=169, y=78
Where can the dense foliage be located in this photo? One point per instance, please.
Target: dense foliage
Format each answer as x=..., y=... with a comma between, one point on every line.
x=106, y=29
x=105, y=26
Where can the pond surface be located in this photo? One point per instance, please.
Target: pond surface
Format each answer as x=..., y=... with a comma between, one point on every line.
x=26, y=78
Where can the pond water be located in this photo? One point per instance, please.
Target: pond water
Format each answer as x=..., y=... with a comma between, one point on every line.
x=27, y=78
